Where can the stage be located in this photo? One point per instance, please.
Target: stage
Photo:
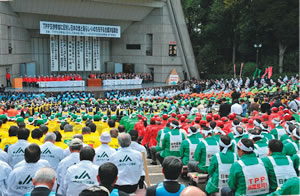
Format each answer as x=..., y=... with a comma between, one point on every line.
x=98, y=91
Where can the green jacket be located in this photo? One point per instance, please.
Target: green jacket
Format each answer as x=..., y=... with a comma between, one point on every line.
x=274, y=131
x=213, y=170
x=280, y=159
x=185, y=148
x=200, y=153
x=296, y=161
x=267, y=135
x=262, y=143
x=289, y=147
x=165, y=130
x=290, y=187
x=285, y=137
x=166, y=144
x=236, y=180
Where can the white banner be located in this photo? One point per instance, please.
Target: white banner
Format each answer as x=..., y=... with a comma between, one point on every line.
x=59, y=28
x=88, y=53
x=79, y=53
x=54, y=52
x=96, y=54
x=63, y=53
x=71, y=53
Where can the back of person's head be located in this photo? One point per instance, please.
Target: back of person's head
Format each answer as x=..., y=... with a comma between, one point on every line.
x=114, y=133
x=76, y=145
x=174, y=124
x=212, y=124
x=68, y=128
x=236, y=122
x=32, y=153
x=255, y=134
x=93, y=127
x=44, y=176
x=108, y=173
x=44, y=129
x=121, y=128
x=134, y=135
x=23, y=134
x=87, y=153
x=21, y=125
x=192, y=191
x=62, y=125
x=50, y=137
x=296, y=133
x=248, y=144
x=36, y=133
x=111, y=123
x=172, y=167
x=235, y=101
x=58, y=136
x=95, y=191
x=124, y=140
x=12, y=131
x=225, y=140
x=275, y=145
x=193, y=129
x=86, y=130
x=78, y=136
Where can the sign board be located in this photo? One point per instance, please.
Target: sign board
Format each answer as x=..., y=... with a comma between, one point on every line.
x=89, y=30
x=54, y=52
x=173, y=77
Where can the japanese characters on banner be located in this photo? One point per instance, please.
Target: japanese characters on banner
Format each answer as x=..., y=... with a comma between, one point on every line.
x=54, y=52
x=71, y=53
x=96, y=54
x=79, y=53
x=88, y=53
x=63, y=53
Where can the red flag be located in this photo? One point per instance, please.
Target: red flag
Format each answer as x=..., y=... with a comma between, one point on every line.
x=266, y=71
x=242, y=65
x=234, y=71
x=270, y=72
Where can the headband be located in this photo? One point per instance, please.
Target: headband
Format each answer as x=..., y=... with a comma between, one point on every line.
x=190, y=132
x=225, y=147
x=252, y=136
x=206, y=132
x=243, y=147
x=237, y=134
x=233, y=125
x=218, y=130
x=256, y=123
x=175, y=126
x=295, y=134
x=263, y=128
x=287, y=129
x=276, y=122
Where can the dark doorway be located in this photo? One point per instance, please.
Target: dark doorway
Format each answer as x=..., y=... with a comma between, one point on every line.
x=128, y=68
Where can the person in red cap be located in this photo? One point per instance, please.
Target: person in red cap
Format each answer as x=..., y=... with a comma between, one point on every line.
x=173, y=115
x=203, y=124
x=250, y=124
x=165, y=120
x=274, y=113
x=150, y=135
x=140, y=126
x=216, y=117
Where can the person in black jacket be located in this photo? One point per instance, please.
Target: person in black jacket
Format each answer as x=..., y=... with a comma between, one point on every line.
x=43, y=181
x=225, y=108
x=172, y=167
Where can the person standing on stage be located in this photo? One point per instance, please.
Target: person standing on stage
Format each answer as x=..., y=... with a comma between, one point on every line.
x=8, y=82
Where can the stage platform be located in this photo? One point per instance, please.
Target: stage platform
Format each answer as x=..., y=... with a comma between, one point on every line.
x=98, y=91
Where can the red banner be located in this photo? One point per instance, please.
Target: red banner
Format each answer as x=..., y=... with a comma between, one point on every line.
x=242, y=65
x=266, y=71
x=270, y=72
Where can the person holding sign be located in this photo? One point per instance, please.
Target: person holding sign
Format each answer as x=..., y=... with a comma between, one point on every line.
x=204, y=152
x=220, y=164
x=247, y=176
x=171, y=142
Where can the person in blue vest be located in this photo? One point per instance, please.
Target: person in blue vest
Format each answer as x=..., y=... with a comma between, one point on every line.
x=107, y=177
x=172, y=167
x=43, y=181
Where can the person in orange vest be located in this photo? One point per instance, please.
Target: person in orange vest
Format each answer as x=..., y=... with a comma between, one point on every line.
x=12, y=112
x=8, y=82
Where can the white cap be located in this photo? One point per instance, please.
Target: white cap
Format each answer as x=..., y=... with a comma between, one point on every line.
x=105, y=137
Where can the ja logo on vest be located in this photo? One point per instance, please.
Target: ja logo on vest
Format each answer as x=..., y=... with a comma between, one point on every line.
x=84, y=175
x=27, y=180
x=126, y=159
x=20, y=150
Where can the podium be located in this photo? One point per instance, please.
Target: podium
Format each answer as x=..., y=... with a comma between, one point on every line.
x=94, y=82
x=17, y=83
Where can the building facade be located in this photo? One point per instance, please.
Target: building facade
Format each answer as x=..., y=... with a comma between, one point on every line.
x=149, y=29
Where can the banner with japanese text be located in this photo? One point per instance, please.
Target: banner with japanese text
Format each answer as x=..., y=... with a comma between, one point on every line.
x=54, y=52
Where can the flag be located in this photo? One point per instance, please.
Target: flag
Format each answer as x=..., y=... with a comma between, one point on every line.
x=234, y=71
x=270, y=70
x=242, y=65
x=266, y=71
x=255, y=73
x=259, y=71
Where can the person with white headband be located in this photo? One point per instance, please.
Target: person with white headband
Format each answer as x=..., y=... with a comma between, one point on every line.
x=281, y=166
x=247, y=176
x=278, y=131
x=220, y=164
x=265, y=131
x=291, y=147
x=260, y=143
x=237, y=134
x=171, y=142
x=289, y=127
x=188, y=146
x=204, y=152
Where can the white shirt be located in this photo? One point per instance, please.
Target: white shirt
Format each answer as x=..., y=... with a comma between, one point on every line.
x=67, y=151
x=237, y=109
x=62, y=168
x=103, y=154
x=138, y=147
x=16, y=152
x=40, y=163
x=79, y=177
x=5, y=170
x=130, y=166
x=20, y=179
x=53, y=154
x=3, y=156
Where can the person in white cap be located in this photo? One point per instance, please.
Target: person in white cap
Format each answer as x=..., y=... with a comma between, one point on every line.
x=130, y=165
x=16, y=151
x=53, y=154
x=67, y=151
x=75, y=147
x=5, y=170
x=104, y=151
x=82, y=175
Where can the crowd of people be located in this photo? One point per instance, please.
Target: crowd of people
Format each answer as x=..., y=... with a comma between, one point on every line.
x=76, y=144
x=29, y=81
x=147, y=77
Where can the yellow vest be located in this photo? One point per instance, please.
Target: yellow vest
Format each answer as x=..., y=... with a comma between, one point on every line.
x=8, y=141
x=114, y=143
x=61, y=144
x=91, y=140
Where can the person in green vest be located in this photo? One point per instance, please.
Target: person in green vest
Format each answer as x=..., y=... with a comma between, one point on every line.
x=290, y=187
x=247, y=176
x=237, y=134
x=289, y=127
x=204, y=152
x=292, y=147
x=265, y=131
x=158, y=148
x=296, y=161
x=220, y=164
x=171, y=142
x=278, y=131
x=188, y=146
x=260, y=142
x=280, y=167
